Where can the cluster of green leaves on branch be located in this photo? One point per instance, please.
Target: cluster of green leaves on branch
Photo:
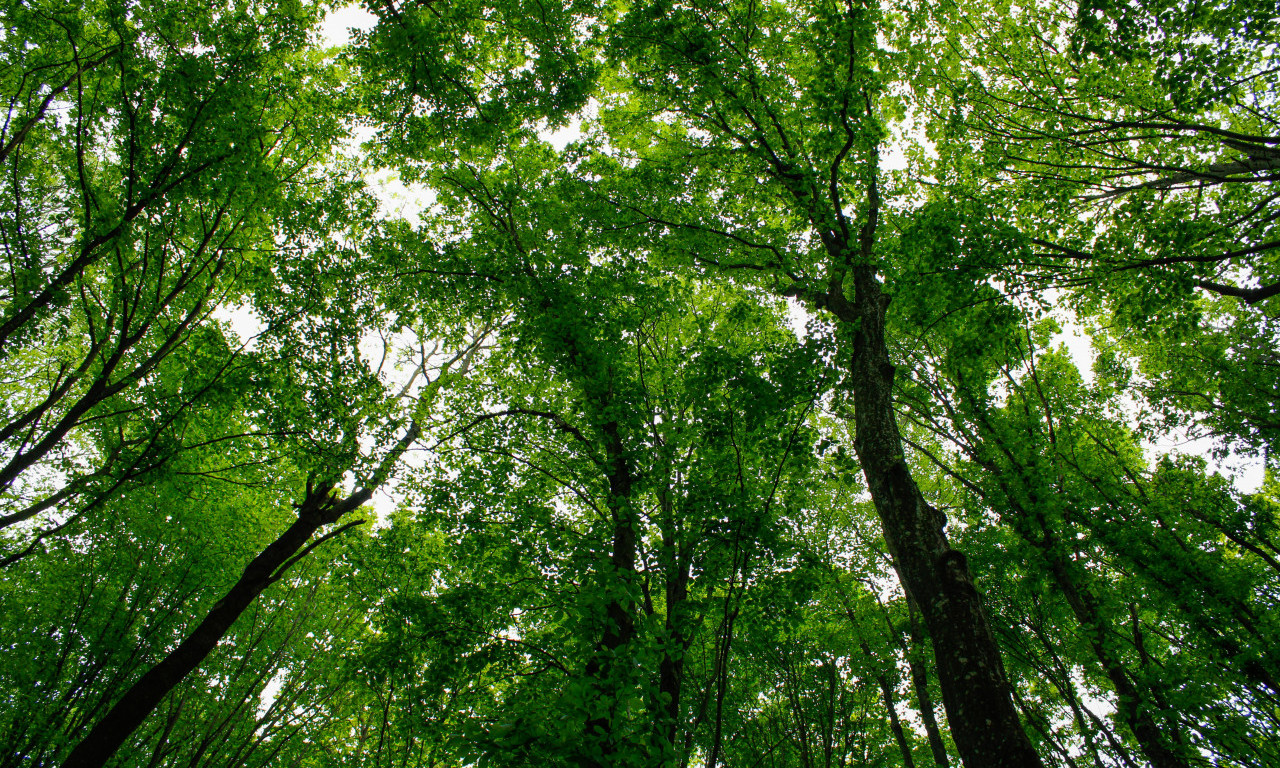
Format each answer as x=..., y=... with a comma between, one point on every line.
x=641, y=517
x=1135, y=147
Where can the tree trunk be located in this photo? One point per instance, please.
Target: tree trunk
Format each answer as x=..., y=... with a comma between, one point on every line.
x=720, y=677
x=319, y=508
x=886, y=692
x=975, y=689
x=1133, y=707
x=671, y=667
x=619, y=626
x=920, y=680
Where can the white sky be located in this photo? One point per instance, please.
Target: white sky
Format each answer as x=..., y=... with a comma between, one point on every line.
x=337, y=25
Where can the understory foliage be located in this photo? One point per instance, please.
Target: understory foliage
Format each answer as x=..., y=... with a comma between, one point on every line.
x=804, y=383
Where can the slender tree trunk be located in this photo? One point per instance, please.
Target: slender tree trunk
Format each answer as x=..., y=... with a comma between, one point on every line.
x=671, y=667
x=975, y=690
x=720, y=677
x=319, y=508
x=1040, y=722
x=1132, y=705
x=102, y=387
x=1056, y=671
x=93, y=248
x=21, y=134
x=920, y=680
x=886, y=692
x=619, y=626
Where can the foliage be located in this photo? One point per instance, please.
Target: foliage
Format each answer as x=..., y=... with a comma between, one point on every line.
x=739, y=430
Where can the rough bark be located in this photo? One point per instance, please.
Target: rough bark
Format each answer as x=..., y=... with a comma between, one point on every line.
x=975, y=689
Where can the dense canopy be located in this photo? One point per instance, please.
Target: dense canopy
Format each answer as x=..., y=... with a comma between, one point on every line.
x=743, y=383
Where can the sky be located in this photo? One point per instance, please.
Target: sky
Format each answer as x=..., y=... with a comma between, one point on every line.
x=337, y=25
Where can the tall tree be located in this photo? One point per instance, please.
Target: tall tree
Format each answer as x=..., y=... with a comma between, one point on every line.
x=780, y=166
x=139, y=199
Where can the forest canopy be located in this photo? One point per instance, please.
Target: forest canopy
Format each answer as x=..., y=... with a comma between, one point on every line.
x=742, y=383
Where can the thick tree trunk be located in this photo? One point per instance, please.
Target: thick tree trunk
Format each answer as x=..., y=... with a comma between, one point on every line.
x=975, y=689
x=319, y=508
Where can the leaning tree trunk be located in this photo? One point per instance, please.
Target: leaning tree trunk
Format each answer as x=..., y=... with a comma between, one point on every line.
x=1134, y=706
x=319, y=508
x=975, y=690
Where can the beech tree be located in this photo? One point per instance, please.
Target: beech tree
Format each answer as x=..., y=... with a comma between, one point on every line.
x=705, y=403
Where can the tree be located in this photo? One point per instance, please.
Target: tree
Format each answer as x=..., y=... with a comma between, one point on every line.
x=138, y=201
x=735, y=120
x=665, y=453
x=632, y=513
x=1147, y=203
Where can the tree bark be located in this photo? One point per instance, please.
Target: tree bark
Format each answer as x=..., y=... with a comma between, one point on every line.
x=671, y=667
x=620, y=624
x=886, y=692
x=320, y=507
x=975, y=689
